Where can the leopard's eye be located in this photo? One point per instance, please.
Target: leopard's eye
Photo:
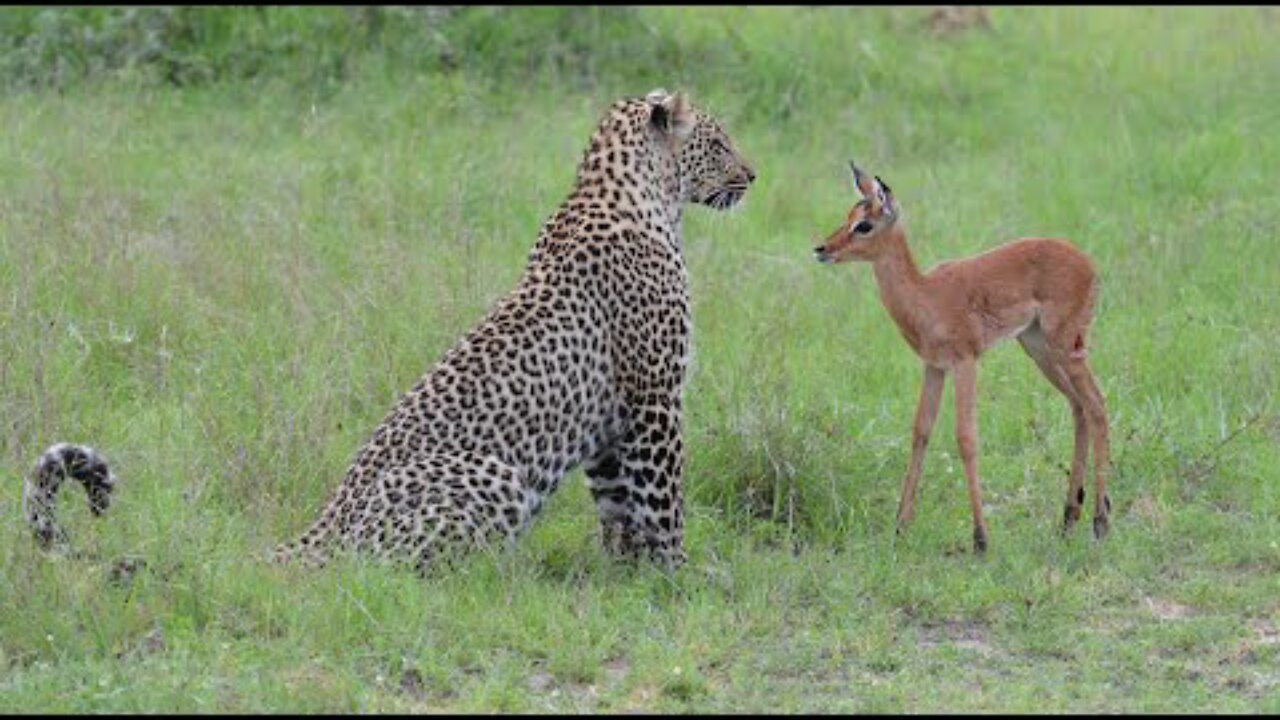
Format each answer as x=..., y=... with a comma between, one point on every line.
x=862, y=228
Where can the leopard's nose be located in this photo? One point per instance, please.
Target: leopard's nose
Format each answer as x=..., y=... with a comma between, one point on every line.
x=751, y=175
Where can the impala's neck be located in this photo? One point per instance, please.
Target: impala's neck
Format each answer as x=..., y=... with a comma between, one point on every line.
x=901, y=284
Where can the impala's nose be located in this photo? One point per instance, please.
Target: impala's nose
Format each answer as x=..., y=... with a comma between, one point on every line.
x=820, y=254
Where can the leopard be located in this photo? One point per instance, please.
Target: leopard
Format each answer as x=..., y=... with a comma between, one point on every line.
x=582, y=363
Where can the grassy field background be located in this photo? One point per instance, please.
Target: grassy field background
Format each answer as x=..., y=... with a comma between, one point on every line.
x=222, y=273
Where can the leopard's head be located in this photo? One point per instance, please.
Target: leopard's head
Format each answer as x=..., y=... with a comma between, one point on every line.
x=712, y=170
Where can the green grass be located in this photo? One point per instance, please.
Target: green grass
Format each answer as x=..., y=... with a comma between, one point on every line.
x=223, y=287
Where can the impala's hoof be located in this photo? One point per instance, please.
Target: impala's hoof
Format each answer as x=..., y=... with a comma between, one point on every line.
x=900, y=523
x=1070, y=514
x=979, y=541
x=1100, y=527
x=1100, y=522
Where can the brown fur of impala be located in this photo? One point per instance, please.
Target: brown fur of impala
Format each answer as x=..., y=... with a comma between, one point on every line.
x=1039, y=290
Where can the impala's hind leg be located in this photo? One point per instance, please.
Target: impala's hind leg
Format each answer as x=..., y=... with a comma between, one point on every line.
x=1065, y=326
x=1096, y=414
x=1033, y=342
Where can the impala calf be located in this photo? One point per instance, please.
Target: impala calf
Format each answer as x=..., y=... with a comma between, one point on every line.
x=1038, y=290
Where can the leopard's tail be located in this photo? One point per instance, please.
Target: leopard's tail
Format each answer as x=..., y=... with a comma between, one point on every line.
x=40, y=489
x=63, y=461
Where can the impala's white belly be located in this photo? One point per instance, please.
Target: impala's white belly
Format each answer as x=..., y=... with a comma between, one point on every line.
x=1008, y=322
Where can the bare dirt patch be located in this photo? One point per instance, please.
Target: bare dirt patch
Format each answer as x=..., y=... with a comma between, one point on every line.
x=948, y=20
x=1166, y=610
x=615, y=669
x=964, y=634
x=1145, y=508
x=1268, y=632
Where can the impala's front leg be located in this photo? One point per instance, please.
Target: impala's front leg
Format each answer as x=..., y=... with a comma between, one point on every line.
x=926, y=414
x=966, y=383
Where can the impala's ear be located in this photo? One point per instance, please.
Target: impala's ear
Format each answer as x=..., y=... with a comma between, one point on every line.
x=884, y=195
x=862, y=182
x=671, y=113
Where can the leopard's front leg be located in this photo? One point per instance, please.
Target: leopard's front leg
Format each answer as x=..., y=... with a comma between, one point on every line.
x=637, y=485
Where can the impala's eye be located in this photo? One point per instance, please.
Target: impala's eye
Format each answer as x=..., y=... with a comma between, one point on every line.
x=862, y=228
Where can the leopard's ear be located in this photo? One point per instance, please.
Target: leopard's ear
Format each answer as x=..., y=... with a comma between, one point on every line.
x=670, y=114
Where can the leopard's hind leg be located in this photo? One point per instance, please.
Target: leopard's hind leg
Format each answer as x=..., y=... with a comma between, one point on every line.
x=428, y=508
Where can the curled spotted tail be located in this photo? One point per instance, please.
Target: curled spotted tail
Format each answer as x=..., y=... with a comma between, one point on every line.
x=40, y=489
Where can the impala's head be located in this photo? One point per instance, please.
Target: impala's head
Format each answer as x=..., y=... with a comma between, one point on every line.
x=861, y=235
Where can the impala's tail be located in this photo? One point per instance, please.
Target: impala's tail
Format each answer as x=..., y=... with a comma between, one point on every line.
x=40, y=488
